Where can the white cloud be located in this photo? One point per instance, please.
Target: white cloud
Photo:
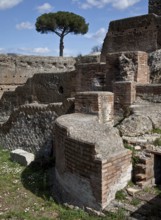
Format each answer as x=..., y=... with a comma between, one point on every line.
x=46, y=7
x=41, y=50
x=98, y=36
x=24, y=25
x=5, y=4
x=2, y=50
x=118, y=4
x=37, y=50
x=122, y=4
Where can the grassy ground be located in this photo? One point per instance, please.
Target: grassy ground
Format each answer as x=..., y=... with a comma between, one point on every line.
x=24, y=195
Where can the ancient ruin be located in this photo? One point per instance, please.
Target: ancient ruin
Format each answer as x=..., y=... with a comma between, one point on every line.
x=83, y=111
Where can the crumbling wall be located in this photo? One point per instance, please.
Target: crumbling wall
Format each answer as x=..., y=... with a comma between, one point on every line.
x=141, y=33
x=15, y=70
x=126, y=66
x=30, y=127
x=150, y=92
x=91, y=77
x=41, y=88
x=154, y=63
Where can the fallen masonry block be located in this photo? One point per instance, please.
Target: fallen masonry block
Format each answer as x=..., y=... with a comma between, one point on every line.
x=22, y=157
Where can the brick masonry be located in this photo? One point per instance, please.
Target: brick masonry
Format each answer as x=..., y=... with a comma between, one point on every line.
x=97, y=103
x=149, y=92
x=143, y=173
x=124, y=96
x=126, y=66
x=15, y=70
x=141, y=33
x=102, y=177
x=91, y=77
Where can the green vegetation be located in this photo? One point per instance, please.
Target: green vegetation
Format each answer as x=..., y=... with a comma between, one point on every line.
x=157, y=142
x=61, y=23
x=156, y=130
x=135, y=202
x=120, y=195
x=135, y=158
x=24, y=195
x=130, y=183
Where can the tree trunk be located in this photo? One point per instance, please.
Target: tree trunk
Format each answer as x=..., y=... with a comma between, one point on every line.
x=61, y=46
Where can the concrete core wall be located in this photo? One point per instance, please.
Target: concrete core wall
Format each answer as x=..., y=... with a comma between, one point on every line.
x=155, y=7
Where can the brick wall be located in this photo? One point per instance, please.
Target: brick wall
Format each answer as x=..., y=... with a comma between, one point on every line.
x=139, y=33
x=99, y=179
x=15, y=70
x=90, y=77
x=42, y=88
x=127, y=66
x=150, y=92
x=142, y=74
x=98, y=103
x=115, y=172
x=143, y=173
x=124, y=95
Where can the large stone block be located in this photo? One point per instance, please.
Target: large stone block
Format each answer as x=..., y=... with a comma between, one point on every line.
x=22, y=157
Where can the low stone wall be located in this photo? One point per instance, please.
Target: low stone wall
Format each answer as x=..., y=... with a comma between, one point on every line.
x=31, y=127
x=16, y=69
x=150, y=92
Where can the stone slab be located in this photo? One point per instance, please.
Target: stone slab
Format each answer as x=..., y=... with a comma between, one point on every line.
x=22, y=157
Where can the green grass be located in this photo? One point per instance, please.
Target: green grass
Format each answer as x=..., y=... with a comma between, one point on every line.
x=135, y=158
x=157, y=142
x=24, y=195
x=120, y=195
x=135, y=202
x=156, y=130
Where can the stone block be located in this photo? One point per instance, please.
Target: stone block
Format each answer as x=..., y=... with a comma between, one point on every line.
x=22, y=157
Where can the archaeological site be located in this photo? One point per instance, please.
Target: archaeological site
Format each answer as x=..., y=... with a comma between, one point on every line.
x=86, y=112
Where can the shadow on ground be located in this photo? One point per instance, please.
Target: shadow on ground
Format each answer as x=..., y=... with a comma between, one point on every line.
x=36, y=178
x=151, y=209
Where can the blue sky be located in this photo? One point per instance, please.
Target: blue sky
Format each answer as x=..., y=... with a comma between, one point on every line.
x=18, y=17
